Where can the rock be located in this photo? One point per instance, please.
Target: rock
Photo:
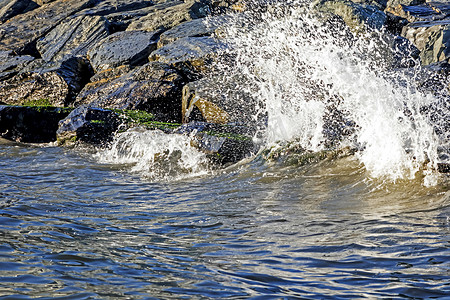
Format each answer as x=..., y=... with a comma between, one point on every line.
x=20, y=33
x=403, y=54
x=223, y=144
x=106, y=75
x=30, y=124
x=87, y=124
x=432, y=39
x=154, y=87
x=73, y=37
x=191, y=55
x=217, y=100
x=427, y=12
x=10, y=65
x=194, y=28
x=56, y=83
x=127, y=47
x=12, y=8
x=43, y=2
x=166, y=18
x=356, y=16
x=120, y=13
x=380, y=4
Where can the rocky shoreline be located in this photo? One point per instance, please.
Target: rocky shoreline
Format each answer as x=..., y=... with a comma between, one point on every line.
x=76, y=70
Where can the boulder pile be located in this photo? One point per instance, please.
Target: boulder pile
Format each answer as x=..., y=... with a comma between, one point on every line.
x=103, y=58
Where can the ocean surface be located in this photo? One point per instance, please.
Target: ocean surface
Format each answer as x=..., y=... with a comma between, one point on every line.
x=74, y=228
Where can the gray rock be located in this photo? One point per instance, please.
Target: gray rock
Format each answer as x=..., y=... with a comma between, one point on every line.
x=30, y=124
x=217, y=100
x=12, y=8
x=356, y=16
x=73, y=37
x=433, y=41
x=195, y=28
x=11, y=65
x=57, y=84
x=107, y=7
x=427, y=12
x=87, y=124
x=166, y=18
x=126, y=47
x=191, y=55
x=223, y=144
x=154, y=88
x=109, y=74
x=20, y=33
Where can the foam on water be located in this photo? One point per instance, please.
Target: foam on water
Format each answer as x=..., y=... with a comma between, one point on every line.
x=302, y=66
x=155, y=155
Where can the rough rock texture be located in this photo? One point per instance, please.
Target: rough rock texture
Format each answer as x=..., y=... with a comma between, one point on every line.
x=154, y=87
x=72, y=37
x=216, y=100
x=20, y=33
x=355, y=15
x=190, y=55
x=30, y=124
x=87, y=124
x=432, y=41
x=178, y=12
x=11, y=65
x=195, y=28
x=426, y=12
x=120, y=13
x=57, y=84
x=224, y=144
x=12, y=8
x=126, y=47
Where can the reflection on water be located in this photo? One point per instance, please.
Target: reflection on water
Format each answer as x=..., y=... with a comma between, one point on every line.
x=72, y=227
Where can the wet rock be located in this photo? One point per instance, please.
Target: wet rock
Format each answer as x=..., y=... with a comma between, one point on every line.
x=43, y=2
x=30, y=124
x=154, y=87
x=403, y=53
x=10, y=65
x=120, y=13
x=56, y=83
x=224, y=144
x=107, y=75
x=127, y=47
x=179, y=12
x=356, y=16
x=12, y=8
x=20, y=33
x=218, y=100
x=73, y=37
x=195, y=28
x=191, y=55
x=431, y=38
x=87, y=124
x=426, y=12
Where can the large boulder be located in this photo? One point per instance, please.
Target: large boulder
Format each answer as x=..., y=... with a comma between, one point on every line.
x=166, y=18
x=12, y=8
x=120, y=13
x=217, y=99
x=431, y=11
x=196, y=28
x=431, y=38
x=154, y=87
x=10, y=65
x=223, y=144
x=57, y=84
x=357, y=16
x=30, y=124
x=191, y=55
x=126, y=47
x=73, y=37
x=20, y=33
x=87, y=124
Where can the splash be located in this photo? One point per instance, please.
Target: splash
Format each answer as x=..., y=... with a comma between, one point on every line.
x=312, y=75
x=154, y=155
